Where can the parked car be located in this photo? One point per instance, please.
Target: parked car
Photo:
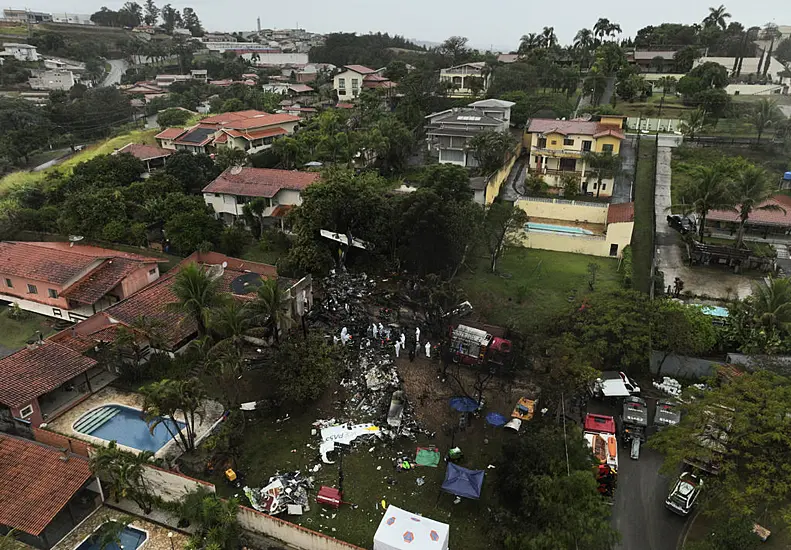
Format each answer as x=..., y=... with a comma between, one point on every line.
x=682, y=224
x=684, y=494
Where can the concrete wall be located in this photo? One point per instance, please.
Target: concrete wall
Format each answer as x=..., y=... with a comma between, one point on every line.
x=61, y=441
x=620, y=234
x=138, y=279
x=495, y=182
x=683, y=366
x=171, y=486
x=294, y=535
x=560, y=209
x=593, y=245
x=19, y=289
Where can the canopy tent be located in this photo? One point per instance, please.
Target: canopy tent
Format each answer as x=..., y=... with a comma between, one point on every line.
x=400, y=529
x=463, y=404
x=463, y=482
x=496, y=419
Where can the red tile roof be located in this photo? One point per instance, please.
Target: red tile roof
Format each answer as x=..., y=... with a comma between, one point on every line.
x=359, y=69
x=91, y=288
x=260, y=121
x=569, y=127
x=300, y=88
x=260, y=182
x=95, y=251
x=36, y=483
x=222, y=118
x=342, y=105
x=374, y=78
x=170, y=133
x=759, y=217
x=619, y=213
x=28, y=261
x=282, y=210
x=266, y=132
x=32, y=372
x=145, y=152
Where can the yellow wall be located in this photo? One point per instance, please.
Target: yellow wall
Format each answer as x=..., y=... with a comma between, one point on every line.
x=559, y=209
x=613, y=121
x=495, y=182
x=591, y=245
x=620, y=234
x=615, y=142
x=557, y=138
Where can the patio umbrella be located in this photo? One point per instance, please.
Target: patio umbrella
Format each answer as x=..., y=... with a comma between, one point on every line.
x=463, y=404
x=496, y=419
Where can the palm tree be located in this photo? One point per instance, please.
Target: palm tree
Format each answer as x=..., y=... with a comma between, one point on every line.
x=749, y=192
x=584, y=39
x=163, y=400
x=548, y=37
x=269, y=308
x=605, y=165
x=667, y=83
x=601, y=28
x=771, y=301
x=109, y=533
x=707, y=191
x=197, y=293
x=717, y=17
x=764, y=114
x=693, y=123
x=529, y=42
x=122, y=474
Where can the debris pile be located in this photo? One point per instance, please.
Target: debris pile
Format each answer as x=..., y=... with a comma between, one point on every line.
x=669, y=385
x=285, y=493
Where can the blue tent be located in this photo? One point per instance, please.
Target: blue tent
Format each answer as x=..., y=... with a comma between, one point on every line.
x=463, y=482
x=463, y=404
x=496, y=419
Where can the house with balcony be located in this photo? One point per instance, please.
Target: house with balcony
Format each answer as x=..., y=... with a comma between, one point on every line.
x=449, y=132
x=466, y=80
x=21, y=52
x=558, y=148
x=353, y=78
x=237, y=186
x=252, y=131
x=70, y=281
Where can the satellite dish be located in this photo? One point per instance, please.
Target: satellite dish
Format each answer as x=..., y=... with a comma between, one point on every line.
x=75, y=238
x=236, y=170
x=215, y=271
x=224, y=265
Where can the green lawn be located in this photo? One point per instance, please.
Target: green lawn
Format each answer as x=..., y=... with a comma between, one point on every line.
x=14, y=333
x=540, y=284
x=103, y=148
x=257, y=253
x=643, y=236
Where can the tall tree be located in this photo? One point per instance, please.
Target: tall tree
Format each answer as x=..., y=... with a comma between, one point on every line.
x=707, y=191
x=196, y=292
x=680, y=329
x=171, y=18
x=152, y=13
x=529, y=42
x=303, y=369
x=270, y=308
x=765, y=113
x=191, y=22
x=771, y=303
x=502, y=223
x=548, y=37
x=750, y=190
x=693, y=122
x=455, y=47
x=215, y=519
x=490, y=150
x=717, y=17
x=165, y=400
x=122, y=474
x=135, y=13
x=602, y=165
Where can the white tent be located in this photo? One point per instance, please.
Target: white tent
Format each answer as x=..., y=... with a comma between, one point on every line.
x=400, y=530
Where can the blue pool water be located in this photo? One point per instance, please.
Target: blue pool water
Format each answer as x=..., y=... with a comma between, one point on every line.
x=126, y=426
x=131, y=539
x=714, y=311
x=549, y=228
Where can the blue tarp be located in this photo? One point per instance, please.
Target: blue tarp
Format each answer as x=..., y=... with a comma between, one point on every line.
x=463, y=482
x=463, y=404
x=496, y=419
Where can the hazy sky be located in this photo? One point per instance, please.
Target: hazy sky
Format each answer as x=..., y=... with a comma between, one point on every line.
x=497, y=23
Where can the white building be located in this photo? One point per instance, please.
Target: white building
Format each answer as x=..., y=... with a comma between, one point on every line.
x=53, y=79
x=21, y=52
x=270, y=57
x=749, y=67
x=461, y=78
x=72, y=18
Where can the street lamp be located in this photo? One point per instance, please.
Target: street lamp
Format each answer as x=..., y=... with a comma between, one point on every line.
x=170, y=537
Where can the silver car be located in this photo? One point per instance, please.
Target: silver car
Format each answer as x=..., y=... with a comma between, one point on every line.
x=684, y=494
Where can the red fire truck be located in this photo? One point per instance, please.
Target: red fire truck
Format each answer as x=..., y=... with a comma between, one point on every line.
x=474, y=346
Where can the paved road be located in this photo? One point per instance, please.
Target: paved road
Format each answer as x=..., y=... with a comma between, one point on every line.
x=639, y=512
x=117, y=69
x=624, y=180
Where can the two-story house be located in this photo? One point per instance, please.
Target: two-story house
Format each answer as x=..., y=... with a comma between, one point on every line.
x=558, y=147
x=21, y=52
x=449, y=132
x=353, y=78
x=70, y=281
x=466, y=80
x=237, y=186
x=251, y=131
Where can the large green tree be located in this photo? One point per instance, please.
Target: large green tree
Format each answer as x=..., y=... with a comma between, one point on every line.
x=679, y=329
x=765, y=113
x=490, y=149
x=502, y=224
x=196, y=293
x=122, y=474
x=215, y=519
x=304, y=368
x=708, y=190
x=167, y=401
x=749, y=191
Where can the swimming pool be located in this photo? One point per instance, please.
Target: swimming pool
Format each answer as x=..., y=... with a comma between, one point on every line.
x=126, y=426
x=130, y=538
x=549, y=228
x=714, y=311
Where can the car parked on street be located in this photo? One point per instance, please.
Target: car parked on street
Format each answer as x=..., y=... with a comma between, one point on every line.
x=684, y=494
x=682, y=224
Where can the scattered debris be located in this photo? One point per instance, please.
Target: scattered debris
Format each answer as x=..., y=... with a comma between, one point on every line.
x=343, y=434
x=669, y=385
x=427, y=456
x=282, y=492
x=420, y=481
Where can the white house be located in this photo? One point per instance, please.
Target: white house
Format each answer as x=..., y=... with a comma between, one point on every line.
x=461, y=78
x=353, y=78
x=72, y=18
x=21, y=52
x=53, y=79
x=749, y=66
x=237, y=186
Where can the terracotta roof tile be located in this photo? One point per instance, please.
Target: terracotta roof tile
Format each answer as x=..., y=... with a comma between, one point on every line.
x=54, y=266
x=362, y=69
x=170, y=133
x=91, y=288
x=569, y=127
x=36, y=483
x=759, y=217
x=31, y=372
x=95, y=251
x=266, y=132
x=260, y=121
x=260, y=182
x=619, y=213
x=144, y=152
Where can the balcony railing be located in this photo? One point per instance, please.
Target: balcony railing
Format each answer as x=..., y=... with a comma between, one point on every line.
x=556, y=152
x=553, y=172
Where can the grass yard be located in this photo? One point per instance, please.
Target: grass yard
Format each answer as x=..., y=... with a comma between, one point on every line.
x=255, y=252
x=14, y=333
x=103, y=148
x=643, y=236
x=20, y=30
x=540, y=285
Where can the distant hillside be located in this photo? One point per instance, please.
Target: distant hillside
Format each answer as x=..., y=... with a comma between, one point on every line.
x=373, y=50
x=80, y=41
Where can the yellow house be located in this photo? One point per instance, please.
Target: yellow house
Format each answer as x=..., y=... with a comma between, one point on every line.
x=558, y=147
